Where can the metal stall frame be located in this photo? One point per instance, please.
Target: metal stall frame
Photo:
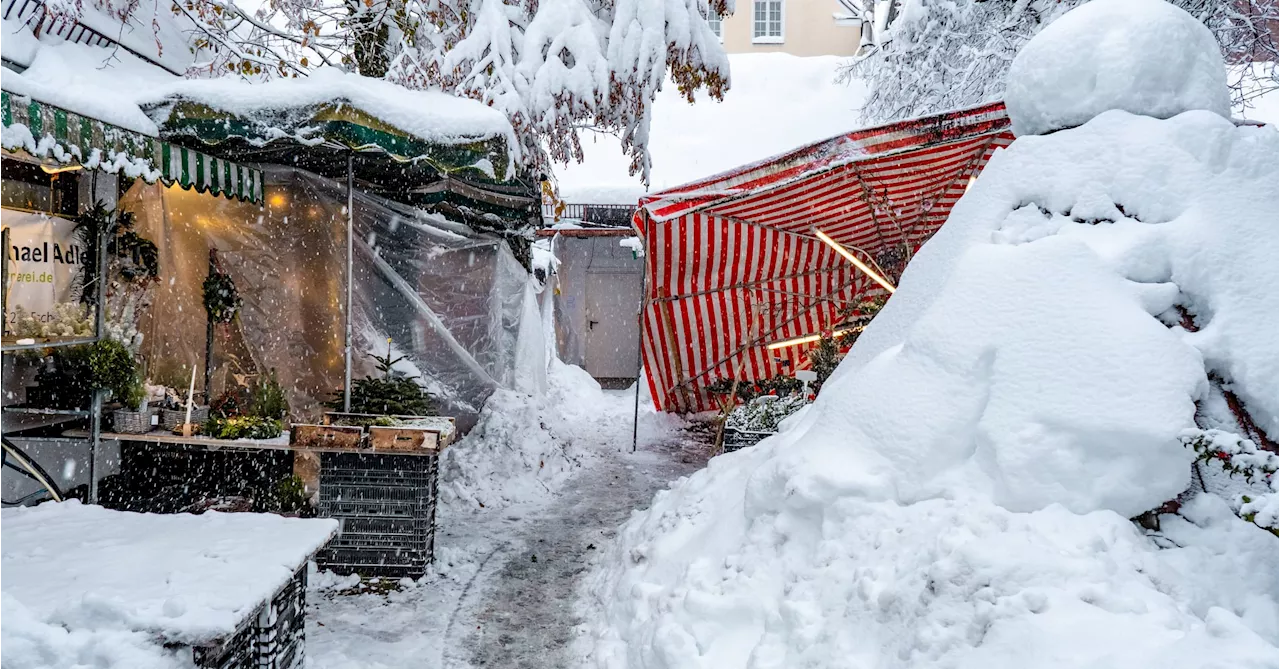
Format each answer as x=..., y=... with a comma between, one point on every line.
x=94, y=413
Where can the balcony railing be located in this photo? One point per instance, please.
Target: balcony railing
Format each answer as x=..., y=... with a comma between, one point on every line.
x=604, y=215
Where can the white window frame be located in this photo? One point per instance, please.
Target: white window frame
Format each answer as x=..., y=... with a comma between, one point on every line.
x=782, y=22
x=716, y=23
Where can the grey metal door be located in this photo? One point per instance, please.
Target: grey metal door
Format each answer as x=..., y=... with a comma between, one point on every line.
x=613, y=299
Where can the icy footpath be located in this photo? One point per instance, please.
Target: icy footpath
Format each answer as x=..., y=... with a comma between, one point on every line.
x=536, y=479
x=959, y=494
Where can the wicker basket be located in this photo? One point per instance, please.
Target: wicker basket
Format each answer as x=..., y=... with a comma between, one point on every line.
x=131, y=422
x=171, y=419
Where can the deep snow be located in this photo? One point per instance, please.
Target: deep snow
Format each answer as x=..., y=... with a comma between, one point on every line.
x=959, y=494
x=1143, y=56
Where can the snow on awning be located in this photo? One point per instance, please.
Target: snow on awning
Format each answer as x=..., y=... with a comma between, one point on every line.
x=734, y=263
x=49, y=132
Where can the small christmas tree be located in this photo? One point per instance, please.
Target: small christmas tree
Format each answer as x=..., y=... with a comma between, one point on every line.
x=393, y=393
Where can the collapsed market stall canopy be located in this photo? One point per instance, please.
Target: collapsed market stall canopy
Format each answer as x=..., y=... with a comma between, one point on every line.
x=734, y=261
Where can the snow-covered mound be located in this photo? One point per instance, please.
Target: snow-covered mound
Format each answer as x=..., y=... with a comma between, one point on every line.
x=777, y=102
x=959, y=493
x=525, y=447
x=1143, y=56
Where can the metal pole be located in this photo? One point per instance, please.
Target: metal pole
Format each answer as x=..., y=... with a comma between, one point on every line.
x=4, y=293
x=635, y=417
x=100, y=327
x=100, y=318
x=346, y=378
x=95, y=434
x=208, y=341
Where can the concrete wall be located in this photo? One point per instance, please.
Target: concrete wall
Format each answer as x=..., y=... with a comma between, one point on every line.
x=808, y=29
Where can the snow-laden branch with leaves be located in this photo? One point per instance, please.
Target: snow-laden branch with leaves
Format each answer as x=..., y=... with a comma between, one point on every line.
x=551, y=66
x=925, y=56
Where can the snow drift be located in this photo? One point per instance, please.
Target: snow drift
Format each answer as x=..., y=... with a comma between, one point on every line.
x=525, y=447
x=959, y=493
x=1143, y=56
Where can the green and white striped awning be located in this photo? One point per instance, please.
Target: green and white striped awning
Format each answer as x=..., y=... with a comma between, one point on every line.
x=55, y=134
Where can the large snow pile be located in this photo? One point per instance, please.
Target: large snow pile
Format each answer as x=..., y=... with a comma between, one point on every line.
x=1143, y=56
x=959, y=494
x=87, y=586
x=777, y=102
x=525, y=447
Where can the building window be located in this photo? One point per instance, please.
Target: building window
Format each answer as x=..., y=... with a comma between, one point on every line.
x=717, y=24
x=766, y=21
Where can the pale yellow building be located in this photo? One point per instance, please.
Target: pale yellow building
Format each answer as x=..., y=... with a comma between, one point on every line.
x=797, y=27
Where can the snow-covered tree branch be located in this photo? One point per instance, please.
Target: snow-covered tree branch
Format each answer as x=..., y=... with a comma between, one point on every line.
x=926, y=56
x=552, y=66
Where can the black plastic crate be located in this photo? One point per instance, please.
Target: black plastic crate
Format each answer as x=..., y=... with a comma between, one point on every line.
x=418, y=541
x=386, y=505
x=379, y=562
x=384, y=477
x=273, y=637
x=361, y=525
x=330, y=492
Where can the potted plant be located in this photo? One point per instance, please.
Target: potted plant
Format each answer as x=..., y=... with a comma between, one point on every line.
x=134, y=416
x=253, y=412
x=72, y=374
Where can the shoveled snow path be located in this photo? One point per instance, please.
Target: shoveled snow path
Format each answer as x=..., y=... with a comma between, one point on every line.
x=485, y=600
x=526, y=619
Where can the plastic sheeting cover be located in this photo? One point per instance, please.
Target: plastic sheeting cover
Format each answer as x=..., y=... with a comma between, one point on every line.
x=451, y=300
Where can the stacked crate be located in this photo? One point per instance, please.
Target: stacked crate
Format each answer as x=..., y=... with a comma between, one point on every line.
x=274, y=637
x=386, y=507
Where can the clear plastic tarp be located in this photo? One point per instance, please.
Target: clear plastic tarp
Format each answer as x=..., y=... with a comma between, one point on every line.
x=455, y=303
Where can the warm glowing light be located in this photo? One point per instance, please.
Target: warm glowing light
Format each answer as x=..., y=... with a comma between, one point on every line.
x=809, y=339
x=276, y=200
x=854, y=259
x=58, y=169
x=971, y=180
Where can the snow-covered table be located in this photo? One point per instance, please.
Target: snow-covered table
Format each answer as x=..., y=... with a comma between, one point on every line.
x=211, y=587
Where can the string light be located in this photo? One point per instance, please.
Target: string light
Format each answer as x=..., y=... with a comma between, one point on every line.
x=809, y=339
x=58, y=169
x=854, y=259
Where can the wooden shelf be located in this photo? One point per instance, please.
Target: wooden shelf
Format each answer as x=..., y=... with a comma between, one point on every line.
x=278, y=444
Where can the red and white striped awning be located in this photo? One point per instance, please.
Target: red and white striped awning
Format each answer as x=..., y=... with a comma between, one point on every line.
x=733, y=263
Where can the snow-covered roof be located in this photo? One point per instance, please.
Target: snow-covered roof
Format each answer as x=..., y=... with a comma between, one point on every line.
x=882, y=191
x=116, y=86
x=431, y=116
x=776, y=102
x=98, y=82
x=178, y=577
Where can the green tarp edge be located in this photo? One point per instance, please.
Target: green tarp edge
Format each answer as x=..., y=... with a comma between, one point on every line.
x=70, y=138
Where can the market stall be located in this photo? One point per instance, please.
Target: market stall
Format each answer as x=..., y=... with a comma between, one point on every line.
x=747, y=270
x=69, y=277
